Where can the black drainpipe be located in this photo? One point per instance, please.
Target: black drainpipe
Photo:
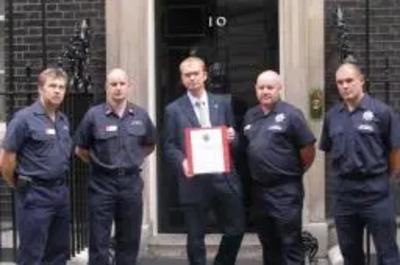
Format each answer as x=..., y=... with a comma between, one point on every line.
x=44, y=44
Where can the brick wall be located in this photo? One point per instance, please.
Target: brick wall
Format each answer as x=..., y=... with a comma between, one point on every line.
x=384, y=43
x=61, y=18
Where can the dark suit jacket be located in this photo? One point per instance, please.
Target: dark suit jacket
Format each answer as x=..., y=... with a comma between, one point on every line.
x=180, y=115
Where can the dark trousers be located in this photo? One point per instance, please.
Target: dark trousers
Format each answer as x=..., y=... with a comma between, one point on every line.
x=116, y=199
x=379, y=216
x=278, y=221
x=228, y=208
x=43, y=225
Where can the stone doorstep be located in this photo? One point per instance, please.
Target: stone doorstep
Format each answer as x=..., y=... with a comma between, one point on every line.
x=174, y=245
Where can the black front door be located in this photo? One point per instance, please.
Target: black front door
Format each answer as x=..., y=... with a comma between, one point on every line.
x=237, y=38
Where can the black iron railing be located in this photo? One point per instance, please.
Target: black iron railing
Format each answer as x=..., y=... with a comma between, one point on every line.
x=347, y=55
x=75, y=61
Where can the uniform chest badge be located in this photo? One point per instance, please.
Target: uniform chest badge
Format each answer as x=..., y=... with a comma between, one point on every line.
x=280, y=117
x=368, y=115
x=247, y=127
x=111, y=128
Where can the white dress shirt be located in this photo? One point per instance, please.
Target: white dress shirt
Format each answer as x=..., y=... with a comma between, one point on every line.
x=203, y=100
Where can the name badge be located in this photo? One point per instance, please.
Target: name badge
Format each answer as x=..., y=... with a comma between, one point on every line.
x=277, y=128
x=366, y=128
x=111, y=128
x=50, y=131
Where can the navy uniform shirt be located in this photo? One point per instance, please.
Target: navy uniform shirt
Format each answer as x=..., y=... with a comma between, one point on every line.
x=43, y=147
x=360, y=141
x=115, y=142
x=274, y=142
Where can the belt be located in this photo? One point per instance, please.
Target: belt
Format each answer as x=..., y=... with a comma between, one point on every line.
x=121, y=171
x=47, y=183
x=359, y=176
x=278, y=181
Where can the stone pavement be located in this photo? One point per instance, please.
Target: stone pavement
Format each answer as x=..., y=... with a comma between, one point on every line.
x=81, y=259
x=165, y=261
x=156, y=261
x=169, y=261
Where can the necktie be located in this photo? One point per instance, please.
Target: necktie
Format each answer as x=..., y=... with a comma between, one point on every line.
x=202, y=113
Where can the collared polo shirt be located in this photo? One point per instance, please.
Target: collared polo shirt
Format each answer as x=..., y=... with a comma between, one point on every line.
x=275, y=140
x=115, y=142
x=43, y=146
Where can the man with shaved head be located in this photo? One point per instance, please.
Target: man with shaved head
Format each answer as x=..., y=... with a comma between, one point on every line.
x=200, y=193
x=114, y=138
x=280, y=149
x=361, y=134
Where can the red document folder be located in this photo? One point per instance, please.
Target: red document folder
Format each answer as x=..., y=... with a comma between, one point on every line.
x=219, y=152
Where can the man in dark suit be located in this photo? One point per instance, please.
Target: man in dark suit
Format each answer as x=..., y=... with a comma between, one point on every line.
x=200, y=193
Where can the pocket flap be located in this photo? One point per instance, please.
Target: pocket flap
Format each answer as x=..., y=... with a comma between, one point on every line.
x=137, y=129
x=336, y=131
x=42, y=136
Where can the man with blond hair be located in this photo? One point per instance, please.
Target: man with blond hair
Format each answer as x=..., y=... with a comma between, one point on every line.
x=201, y=193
